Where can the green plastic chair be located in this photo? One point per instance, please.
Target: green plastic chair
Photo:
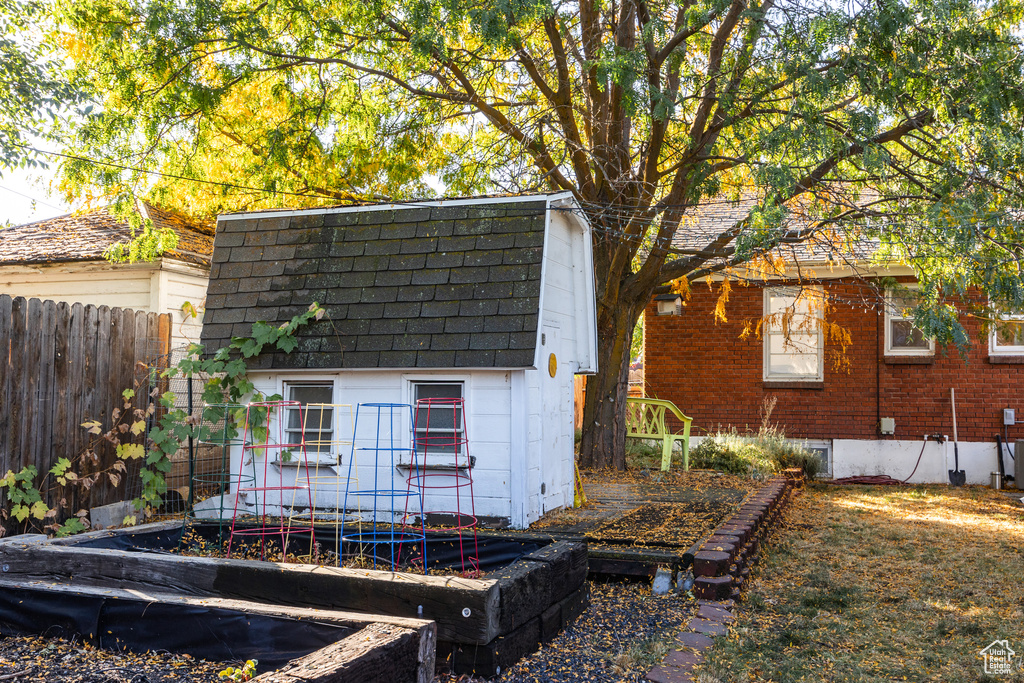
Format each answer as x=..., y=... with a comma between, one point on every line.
x=645, y=419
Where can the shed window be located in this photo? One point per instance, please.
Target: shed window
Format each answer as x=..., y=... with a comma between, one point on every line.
x=313, y=424
x=902, y=337
x=792, y=334
x=439, y=424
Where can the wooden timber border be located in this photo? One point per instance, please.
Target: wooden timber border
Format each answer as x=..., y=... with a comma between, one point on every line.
x=482, y=623
x=369, y=648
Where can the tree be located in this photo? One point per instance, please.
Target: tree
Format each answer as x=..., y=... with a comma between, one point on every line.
x=894, y=120
x=31, y=92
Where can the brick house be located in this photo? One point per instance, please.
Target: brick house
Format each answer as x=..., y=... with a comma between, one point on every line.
x=490, y=300
x=865, y=411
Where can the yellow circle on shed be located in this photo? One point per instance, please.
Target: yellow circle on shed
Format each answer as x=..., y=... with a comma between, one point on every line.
x=552, y=365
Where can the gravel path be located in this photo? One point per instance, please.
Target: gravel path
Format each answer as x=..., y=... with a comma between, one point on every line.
x=625, y=631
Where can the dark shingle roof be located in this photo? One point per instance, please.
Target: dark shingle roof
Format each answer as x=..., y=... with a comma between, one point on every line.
x=451, y=285
x=85, y=236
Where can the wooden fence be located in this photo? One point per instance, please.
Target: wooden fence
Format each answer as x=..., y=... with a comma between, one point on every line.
x=61, y=365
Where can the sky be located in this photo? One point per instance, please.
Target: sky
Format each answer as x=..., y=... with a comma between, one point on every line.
x=24, y=197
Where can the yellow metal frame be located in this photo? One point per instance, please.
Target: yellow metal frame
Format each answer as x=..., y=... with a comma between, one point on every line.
x=645, y=419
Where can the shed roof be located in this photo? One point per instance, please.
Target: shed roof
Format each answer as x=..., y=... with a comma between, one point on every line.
x=85, y=236
x=440, y=285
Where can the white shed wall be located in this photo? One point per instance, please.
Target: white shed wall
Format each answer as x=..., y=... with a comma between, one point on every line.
x=488, y=395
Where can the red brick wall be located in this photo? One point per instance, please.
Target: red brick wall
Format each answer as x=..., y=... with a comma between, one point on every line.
x=716, y=378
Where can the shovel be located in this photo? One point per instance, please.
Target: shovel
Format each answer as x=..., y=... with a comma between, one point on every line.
x=957, y=476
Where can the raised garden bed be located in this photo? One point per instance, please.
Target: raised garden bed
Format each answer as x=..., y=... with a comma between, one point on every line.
x=483, y=624
x=291, y=644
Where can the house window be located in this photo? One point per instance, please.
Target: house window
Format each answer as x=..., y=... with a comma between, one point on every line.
x=793, y=338
x=1007, y=337
x=902, y=337
x=312, y=424
x=439, y=422
x=822, y=449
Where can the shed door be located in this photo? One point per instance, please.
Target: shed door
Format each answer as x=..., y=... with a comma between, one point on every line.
x=555, y=445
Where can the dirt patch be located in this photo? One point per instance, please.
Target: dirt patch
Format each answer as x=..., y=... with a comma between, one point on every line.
x=46, y=660
x=673, y=524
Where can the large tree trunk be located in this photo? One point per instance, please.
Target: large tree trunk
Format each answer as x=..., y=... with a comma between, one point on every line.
x=604, y=413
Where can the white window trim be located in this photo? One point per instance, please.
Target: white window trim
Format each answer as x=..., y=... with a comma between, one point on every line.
x=824, y=444
x=994, y=349
x=331, y=457
x=889, y=317
x=769, y=376
x=409, y=396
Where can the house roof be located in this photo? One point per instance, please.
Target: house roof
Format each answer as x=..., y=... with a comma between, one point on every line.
x=453, y=284
x=717, y=215
x=86, y=236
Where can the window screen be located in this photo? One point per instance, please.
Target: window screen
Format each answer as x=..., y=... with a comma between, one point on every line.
x=313, y=423
x=439, y=422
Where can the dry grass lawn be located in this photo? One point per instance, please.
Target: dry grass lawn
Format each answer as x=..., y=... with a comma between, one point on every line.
x=882, y=584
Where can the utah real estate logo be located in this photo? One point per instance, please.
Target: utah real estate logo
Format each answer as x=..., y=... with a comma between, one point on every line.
x=998, y=657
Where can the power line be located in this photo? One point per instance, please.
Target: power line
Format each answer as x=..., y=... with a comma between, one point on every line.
x=38, y=201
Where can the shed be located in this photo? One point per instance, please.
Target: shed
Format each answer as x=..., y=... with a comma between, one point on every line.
x=487, y=299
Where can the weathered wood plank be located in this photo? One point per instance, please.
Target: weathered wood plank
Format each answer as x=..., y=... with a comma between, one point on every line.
x=61, y=379
x=74, y=434
x=466, y=610
x=97, y=405
x=539, y=579
x=568, y=560
x=47, y=405
x=19, y=343
x=30, y=422
x=6, y=372
x=396, y=649
x=87, y=403
x=355, y=620
x=379, y=652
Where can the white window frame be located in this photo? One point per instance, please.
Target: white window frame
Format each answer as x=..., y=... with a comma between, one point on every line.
x=891, y=316
x=770, y=331
x=411, y=381
x=287, y=383
x=997, y=349
x=819, y=445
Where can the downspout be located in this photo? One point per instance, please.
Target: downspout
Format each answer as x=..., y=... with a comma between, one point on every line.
x=879, y=359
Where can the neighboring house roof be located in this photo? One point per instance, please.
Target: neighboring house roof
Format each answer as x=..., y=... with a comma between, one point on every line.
x=717, y=215
x=447, y=284
x=86, y=236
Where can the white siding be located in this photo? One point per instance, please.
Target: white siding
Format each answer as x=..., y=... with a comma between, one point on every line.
x=159, y=286
x=100, y=284
x=489, y=429
x=178, y=286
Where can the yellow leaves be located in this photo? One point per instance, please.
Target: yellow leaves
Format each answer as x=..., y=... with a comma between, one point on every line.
x=138, y=427
x=93, y=426
x=23, y=512
x=132, y=451
x=681, y=286
x=190, y=310
x=723, y=299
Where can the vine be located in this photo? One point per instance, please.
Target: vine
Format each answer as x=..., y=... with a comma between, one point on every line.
x=228, y=383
